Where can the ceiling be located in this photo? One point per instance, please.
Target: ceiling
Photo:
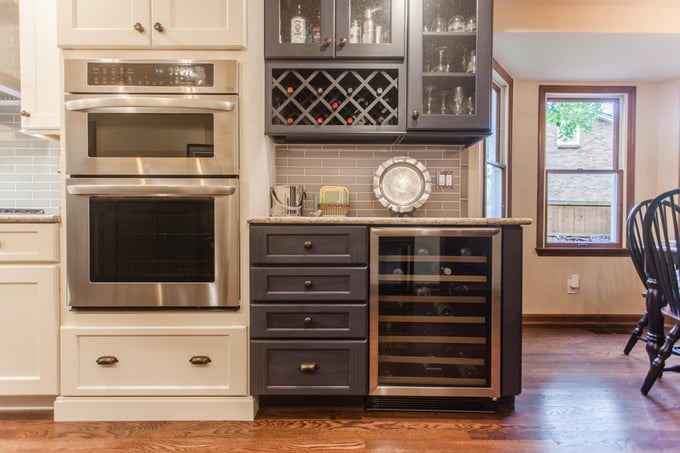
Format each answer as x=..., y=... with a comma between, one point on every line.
x=588, y=40
x=589, y=57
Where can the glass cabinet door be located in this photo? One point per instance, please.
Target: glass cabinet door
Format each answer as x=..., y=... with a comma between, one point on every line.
x=299, y=28
x=335, y=28
x=370, y=28
x=450, y=64
x=435, y=312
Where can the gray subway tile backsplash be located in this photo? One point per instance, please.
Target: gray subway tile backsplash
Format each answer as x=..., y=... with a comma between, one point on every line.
x=353, y=166
x=29, y=167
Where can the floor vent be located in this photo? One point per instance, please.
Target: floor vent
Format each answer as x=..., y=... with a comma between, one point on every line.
x=437, y=404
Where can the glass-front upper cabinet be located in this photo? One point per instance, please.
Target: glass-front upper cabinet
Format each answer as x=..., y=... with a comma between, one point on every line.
x=450, y=64
x=335, y=28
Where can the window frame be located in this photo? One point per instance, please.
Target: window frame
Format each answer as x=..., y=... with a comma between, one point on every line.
x=502, y=84
x=624, y=162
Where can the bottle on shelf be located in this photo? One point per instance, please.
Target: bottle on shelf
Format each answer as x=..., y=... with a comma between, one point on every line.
x=298, y=27
x=354, y=32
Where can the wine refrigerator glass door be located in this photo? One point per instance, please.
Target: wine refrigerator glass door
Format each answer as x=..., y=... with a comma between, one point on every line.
x=435, y=312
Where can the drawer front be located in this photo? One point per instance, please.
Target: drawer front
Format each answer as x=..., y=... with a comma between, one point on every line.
x=298, y=284
x=309, y=321
x=309, y=368
x=154, y=362
x=305, y=244
x=23, y=242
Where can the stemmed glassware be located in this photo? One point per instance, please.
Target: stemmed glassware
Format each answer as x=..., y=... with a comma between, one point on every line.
x=429, y=99
x=443, y=65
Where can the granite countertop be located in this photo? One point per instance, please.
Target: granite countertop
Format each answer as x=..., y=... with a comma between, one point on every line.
x=29, y=218
x=401, y=221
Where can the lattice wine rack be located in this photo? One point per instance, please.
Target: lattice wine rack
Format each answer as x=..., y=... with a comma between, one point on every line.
x=321, y=100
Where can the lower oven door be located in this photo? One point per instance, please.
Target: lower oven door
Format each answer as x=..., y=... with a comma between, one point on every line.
x=152, y=242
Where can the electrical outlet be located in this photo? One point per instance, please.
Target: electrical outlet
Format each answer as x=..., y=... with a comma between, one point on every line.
x=444, y=179
x=573, y=284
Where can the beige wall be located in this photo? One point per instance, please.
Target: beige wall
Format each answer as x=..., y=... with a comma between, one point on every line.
x=609, y=285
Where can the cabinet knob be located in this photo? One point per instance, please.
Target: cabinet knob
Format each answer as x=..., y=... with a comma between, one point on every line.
x=308, y=368
x=25, y=114
x=327, y=42
x=342, y=42
x=139, y=27
x=307, y=321
x=308, y=245
x=158, y=27
x=200, y=360
x=415, y=115
x=107, y=360
x=308, y=284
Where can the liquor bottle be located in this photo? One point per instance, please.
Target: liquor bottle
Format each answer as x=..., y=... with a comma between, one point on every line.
x=354, y=32
x=298, y=27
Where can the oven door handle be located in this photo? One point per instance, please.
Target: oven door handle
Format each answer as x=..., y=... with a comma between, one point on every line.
x=146, y=102
x=161, y=190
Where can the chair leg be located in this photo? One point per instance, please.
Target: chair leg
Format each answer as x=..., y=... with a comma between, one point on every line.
x=636, y=335
x=657, y=366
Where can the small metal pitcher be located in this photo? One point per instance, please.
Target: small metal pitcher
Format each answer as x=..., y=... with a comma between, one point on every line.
x=286, y=200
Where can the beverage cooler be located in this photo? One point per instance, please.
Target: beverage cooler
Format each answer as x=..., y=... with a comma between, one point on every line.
x=435, y=316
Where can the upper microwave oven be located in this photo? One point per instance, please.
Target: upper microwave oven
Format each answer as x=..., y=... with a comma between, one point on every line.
x=162, y=118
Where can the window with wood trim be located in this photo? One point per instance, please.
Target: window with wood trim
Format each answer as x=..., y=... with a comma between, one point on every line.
x=586, y=168
x=497, y=147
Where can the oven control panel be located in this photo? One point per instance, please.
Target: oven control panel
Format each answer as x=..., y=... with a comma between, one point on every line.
x=173, y=74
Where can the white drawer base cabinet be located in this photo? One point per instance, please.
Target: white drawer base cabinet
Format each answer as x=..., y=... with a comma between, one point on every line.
x=154, y=373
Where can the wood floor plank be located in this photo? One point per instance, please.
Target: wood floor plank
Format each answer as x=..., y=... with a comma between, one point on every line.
x=579, y=394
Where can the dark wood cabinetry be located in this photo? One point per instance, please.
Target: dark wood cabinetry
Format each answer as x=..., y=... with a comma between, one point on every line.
x=415, y=316
x=449, y=68
x=436, y=92
x=309, y=315
x=335, y=29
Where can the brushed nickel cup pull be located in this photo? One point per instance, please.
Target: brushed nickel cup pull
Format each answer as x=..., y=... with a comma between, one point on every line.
x=308, y=368
x=342, y=42
x=327, y=42
x=200, y=360
x=307, y=321
x=107, y=360
x=308, y=245
x=308, y=284
x=158, y=27
x=138, y=27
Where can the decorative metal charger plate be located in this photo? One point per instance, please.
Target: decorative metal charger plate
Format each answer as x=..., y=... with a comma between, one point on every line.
x=402, y=184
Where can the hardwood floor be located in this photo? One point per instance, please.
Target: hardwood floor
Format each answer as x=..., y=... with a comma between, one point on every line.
x=580, y=394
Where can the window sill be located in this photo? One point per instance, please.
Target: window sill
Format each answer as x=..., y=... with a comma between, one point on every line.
x=582, y=251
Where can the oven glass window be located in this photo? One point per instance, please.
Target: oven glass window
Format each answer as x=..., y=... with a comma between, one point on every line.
x=152, y=240
x=175, y=135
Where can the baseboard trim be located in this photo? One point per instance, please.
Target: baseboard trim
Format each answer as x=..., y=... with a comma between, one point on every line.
x=599, y=321
x=70, y=409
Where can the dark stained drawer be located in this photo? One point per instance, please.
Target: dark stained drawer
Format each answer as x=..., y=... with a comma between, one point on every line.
x=309, y=367
x=309, y=321
x=298, y=284
x=308, y=244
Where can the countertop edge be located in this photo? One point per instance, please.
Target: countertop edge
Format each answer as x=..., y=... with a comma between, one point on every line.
x=400, y=221
x=30, y=218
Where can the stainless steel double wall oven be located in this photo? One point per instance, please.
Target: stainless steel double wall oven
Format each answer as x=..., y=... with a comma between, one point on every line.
x=152, y=191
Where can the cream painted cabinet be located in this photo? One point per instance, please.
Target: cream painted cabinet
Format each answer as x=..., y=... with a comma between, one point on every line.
x=40, y=80
x=29, y=307
x=169, y=24
x=154, y=361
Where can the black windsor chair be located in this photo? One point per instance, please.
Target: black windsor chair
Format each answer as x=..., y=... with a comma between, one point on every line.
x=634, y=243
x=661, y=236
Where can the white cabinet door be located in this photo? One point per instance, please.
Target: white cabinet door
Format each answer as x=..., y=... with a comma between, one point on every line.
x=152, y=24
x=104, y=23
x=40, y=80
x=205, y=24
x=28, y=329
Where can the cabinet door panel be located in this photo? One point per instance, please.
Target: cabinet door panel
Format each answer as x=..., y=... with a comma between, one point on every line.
x=210, y=23
x=103, y=23
x=28, y=329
